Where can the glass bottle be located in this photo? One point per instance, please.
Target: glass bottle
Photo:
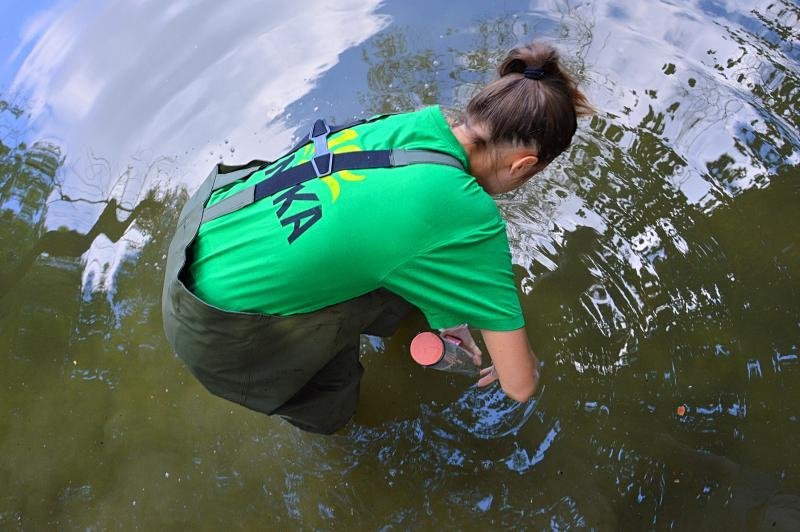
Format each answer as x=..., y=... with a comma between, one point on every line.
x=444, y=353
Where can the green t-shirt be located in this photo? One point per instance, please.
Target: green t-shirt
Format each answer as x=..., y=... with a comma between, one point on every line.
x=429, y=233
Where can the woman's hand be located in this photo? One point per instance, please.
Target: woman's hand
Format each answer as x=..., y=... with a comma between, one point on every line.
x=487, y=376
x=467, y=341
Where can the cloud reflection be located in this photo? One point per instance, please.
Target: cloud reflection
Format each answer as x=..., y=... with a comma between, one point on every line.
x=137, y=93
x=119, y=79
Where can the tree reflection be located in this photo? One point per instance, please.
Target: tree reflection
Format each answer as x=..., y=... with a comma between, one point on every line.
x=402, y=77
x=399, y=79
x=28, y=177
x=476, y=65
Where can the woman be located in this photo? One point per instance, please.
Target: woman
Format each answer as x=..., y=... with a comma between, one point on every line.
x=277, y=268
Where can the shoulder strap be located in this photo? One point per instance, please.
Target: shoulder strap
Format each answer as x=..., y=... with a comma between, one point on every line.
x=359, y=160
x=223, y=180
x=322, y=163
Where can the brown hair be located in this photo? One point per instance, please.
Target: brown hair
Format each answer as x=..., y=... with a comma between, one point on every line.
x=539, y=110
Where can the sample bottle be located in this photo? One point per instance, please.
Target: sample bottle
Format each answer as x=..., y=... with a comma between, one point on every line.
x=443, y=353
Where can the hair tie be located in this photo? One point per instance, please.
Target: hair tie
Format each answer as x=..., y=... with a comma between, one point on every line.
x=533, y=73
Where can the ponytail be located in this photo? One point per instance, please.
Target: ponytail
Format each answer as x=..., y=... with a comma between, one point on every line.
x=535, y=102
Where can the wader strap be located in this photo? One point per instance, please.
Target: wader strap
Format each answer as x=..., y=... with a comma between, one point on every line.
x=407, y=157
x=223, y=180
x=359, y=160
x=335, y=129
x=322, y=162
x=233, y=203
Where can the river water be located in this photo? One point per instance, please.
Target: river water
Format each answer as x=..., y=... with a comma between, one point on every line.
x=658, y=262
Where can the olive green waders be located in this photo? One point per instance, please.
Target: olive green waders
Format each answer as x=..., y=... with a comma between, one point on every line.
x=303, y=367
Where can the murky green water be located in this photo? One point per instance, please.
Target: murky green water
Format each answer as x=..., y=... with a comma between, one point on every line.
x=658, y=263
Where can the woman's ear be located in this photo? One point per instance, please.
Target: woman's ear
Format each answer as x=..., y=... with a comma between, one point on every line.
x=523, y=164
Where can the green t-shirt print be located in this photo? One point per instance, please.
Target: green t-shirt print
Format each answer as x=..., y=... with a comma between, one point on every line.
x=427, y=232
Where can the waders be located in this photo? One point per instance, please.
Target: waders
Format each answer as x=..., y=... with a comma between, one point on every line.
x=303, y=367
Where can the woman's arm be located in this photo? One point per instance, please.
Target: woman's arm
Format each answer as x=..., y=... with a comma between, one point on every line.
x=513, y=363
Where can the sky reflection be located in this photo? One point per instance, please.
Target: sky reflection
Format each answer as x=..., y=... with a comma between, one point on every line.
x=197, y=82
x=138, y=95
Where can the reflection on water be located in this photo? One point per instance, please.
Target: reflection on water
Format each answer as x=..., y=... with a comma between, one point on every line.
x=489, y=414
x=658, y=265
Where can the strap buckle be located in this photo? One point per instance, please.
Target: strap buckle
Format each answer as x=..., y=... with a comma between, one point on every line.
x=322, y=161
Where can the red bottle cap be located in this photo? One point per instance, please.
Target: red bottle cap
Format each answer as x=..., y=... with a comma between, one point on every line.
x=427, y=348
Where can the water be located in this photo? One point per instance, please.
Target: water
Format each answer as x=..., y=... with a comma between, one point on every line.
x=658, y=263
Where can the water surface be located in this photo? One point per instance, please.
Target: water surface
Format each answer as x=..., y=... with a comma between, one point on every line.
x=658, y=264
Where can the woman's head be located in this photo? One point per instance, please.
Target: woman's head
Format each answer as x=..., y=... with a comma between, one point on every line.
x=528, y=115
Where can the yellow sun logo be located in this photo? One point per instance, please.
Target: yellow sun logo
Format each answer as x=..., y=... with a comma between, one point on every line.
x=337, y=144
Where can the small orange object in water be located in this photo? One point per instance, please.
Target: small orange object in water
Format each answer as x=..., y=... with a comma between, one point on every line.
x=681, y=410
